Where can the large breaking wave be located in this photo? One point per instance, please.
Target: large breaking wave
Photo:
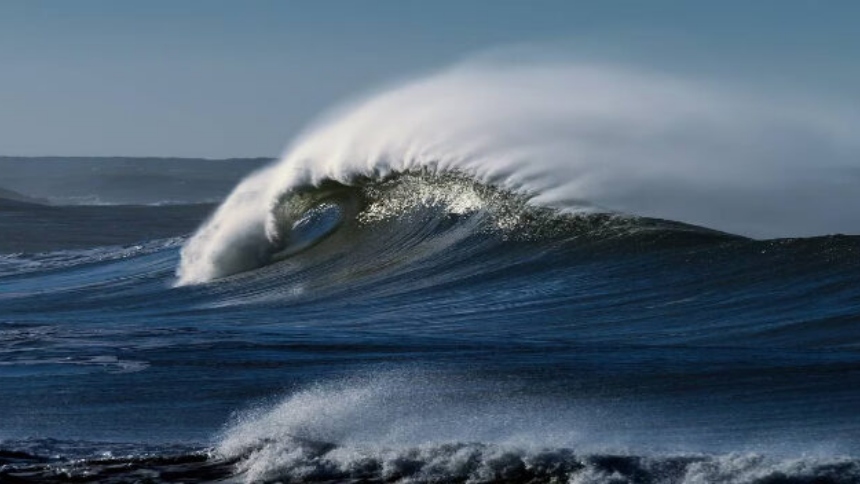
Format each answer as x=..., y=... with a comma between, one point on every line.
x=571, y=137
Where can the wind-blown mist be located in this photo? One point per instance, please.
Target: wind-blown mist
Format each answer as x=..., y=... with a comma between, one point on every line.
x=573, y=137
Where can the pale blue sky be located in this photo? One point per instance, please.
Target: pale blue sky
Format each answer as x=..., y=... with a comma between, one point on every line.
x=220, y=79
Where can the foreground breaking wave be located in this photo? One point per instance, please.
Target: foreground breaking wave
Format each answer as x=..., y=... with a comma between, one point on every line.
x=402, y=427
x=370, y=429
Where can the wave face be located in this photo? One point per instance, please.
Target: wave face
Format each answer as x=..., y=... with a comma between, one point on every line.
x=568, y=137
x=412, y=216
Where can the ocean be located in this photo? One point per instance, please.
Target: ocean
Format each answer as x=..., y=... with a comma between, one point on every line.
x=428, y=320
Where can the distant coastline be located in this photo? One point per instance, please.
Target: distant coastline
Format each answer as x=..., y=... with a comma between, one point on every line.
x=54, y=158
x=121, y=180
x=7, y=196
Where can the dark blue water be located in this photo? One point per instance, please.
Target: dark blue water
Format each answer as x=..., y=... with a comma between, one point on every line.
x=417, y=342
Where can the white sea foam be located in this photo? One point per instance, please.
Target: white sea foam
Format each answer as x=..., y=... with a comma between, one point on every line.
x=560, y=132
x=392, y=419
x=413, y=426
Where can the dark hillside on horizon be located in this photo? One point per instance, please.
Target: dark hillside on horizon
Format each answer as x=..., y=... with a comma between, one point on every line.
x=123, y=180
x=7, y=195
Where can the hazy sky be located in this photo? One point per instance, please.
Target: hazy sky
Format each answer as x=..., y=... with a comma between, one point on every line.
x=240, y=78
